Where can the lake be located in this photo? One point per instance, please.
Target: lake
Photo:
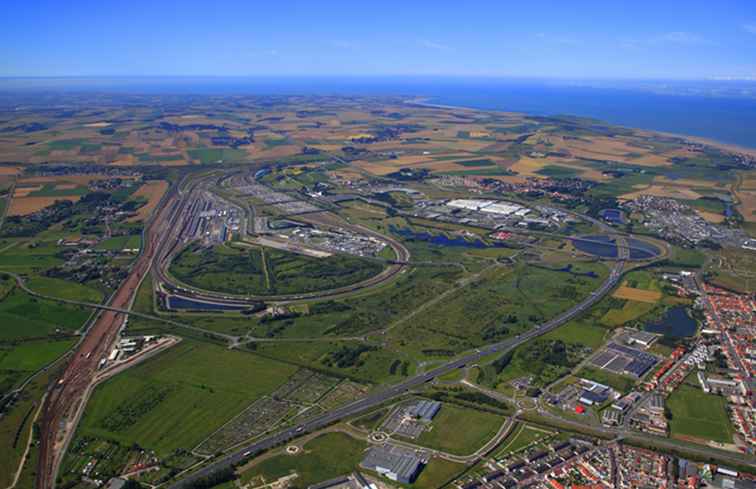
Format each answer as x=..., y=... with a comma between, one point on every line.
x=676, y=323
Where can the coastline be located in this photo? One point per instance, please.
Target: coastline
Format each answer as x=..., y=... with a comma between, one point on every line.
x=725, y=146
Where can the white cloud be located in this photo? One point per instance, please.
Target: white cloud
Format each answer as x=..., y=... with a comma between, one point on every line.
x=677, y=38
x=565, y=41
x=434, y=45
x=750, y=28
x=342, y=44
x=683, y=38
x=264, y=52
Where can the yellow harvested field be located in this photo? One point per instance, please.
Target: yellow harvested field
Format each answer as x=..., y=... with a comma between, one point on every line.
x=76, y=179
x=685, y=182
x=479, y=134
x=747, y=204
x=663, y=191
x=28, y=205
x=376, y=168
x=24, y=191
x=9, y=170
x=153, y=191
x=712, y=217
x=638, y=295
x=527, y=166
x=97, y=124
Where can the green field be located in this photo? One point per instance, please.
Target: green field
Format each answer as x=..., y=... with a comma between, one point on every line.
x=504, y=302
x=178, y=398
x=700, y=415
x=17, y=421
x=265, y=271
x=119, y=243
x=33, y=256
x=473, y=163
x=619, y=382
x=64, y=289
x=24, y=316
x=521, y=437
x=49, y=190
x=438, y=472
x=215, y=155
x=325, y=457
x=557, y=171
x=18, y=361
x=460, y=430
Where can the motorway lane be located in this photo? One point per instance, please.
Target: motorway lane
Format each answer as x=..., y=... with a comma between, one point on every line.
x=377, y=398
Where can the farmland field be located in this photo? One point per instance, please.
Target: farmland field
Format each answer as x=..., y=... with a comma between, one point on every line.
x=699, y=415
x=178, y=398
x=265, y=271
x=152, y=192
x=325, y=457
x=460, y=430
x=24, y=316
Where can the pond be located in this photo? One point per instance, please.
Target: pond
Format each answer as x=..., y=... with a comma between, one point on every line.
x=676, y=323
x=175, y=302
x=442, y=239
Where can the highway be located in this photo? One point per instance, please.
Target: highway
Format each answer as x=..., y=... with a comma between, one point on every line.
x=393, y=391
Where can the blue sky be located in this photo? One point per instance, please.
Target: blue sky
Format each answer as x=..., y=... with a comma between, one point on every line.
x=685, y=39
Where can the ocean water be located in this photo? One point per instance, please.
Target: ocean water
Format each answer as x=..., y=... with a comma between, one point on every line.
x=716, y=110
x=725, y=119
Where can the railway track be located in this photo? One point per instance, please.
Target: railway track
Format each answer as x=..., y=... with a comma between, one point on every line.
x=66, y=399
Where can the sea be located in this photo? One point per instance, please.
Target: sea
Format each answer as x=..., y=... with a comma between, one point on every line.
x=722, y=111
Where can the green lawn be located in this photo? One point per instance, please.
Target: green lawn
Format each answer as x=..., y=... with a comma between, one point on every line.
x=180, y=397
x=325, y=457
x=265, y=271
x=437, y=473
x=120, y=242
x=460, y=430
x=577, y=331
x=619, y=382
x=64, y=289
x=522, y=436
x=700, y=415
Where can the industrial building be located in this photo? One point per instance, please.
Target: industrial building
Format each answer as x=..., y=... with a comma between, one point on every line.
x=395, y=463
x=425, y=410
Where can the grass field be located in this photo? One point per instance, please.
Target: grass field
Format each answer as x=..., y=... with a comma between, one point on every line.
x=17, y=421
x=460, y=430
x=178, y=398
x=700, y=415
x=325, y=457
x=24, y=316
x=521, y=437
x=119, y=243
x=504, y=302
x=216, y=155
x=64, y=289
x=622, y=384
x=265, y=271
x=437, y=472
x=18, y=361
